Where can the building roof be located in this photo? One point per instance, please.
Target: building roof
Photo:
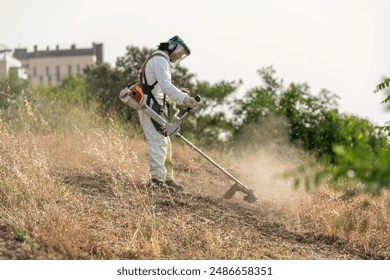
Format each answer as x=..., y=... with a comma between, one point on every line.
x=22, y=53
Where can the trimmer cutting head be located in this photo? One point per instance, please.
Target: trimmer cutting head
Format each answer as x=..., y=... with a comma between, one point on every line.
x=250, y=196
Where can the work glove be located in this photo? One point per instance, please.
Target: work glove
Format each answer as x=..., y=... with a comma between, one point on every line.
x=190, y=102
x=185, y=90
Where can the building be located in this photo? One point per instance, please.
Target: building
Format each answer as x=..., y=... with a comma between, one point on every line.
x=11, y=65
x=49, y=67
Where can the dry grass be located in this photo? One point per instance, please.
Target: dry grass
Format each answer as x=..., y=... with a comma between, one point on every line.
x=362, y=220
x=78, y=193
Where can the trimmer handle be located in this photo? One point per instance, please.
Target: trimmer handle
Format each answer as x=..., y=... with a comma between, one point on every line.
x=186, y=111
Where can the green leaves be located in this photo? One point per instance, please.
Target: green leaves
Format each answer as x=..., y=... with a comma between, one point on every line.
x=211, y=122
x=383, y=85
x=11, y=89
x=103, y=85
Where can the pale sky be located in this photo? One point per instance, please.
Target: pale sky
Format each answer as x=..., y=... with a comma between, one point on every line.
x=340, y=45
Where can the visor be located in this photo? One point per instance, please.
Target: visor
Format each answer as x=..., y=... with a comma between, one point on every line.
x=181, y=51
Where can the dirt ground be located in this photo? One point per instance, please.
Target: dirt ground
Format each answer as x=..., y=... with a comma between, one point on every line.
x=197, y=223
x=261, y=229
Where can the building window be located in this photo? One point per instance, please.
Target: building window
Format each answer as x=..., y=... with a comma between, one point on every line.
x=78, y=68
x=47, y=71
x=58, y=74
x=49, y=79
x=34, y=71
x=41, y=80
x=69, y=70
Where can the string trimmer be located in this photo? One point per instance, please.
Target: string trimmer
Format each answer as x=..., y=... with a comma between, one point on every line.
x=134, y=98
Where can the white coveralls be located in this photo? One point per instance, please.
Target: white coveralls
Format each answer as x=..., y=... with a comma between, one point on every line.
x=160, y=151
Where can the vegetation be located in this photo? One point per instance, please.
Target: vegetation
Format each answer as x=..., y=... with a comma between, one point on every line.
x=71, y=187
x=348, y=147
x=385, y=85
x=71, y=155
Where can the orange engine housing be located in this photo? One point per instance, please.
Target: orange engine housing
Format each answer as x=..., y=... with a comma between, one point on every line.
x=136, y=93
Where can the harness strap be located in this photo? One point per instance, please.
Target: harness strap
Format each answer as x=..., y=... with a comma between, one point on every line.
x=148, y=91
x=145, y=86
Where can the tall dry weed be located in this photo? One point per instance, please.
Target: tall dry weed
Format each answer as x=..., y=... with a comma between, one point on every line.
x=62, y=192
x=72, y=187
x=363, y=220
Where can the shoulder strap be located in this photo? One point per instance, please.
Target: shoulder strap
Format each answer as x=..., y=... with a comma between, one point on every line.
x=142, y=74
x=148, y=89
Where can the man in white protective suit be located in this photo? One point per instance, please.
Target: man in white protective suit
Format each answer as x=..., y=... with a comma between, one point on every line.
x=155, y=79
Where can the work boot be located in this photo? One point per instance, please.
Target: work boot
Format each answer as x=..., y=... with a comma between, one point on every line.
x=173, y=184
x=161, y=186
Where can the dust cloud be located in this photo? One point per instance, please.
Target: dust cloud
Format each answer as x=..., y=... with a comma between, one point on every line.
x=267, y=162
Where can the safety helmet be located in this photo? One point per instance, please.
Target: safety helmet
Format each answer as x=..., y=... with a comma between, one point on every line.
x=177, y=49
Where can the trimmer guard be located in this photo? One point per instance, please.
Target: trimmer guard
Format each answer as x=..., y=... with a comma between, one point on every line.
x=250, y=196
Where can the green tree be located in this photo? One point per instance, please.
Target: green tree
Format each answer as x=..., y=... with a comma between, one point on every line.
x=361, y=152
x=385, y=85
x=131, y=63
x=103, y=85
x=349, y=147
x=312, y=120
x=258, y=101
x=211, y=123
x=11, y=89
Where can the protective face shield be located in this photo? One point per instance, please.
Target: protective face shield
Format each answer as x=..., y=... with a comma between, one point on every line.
x=178, y=50
x=178, y=54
